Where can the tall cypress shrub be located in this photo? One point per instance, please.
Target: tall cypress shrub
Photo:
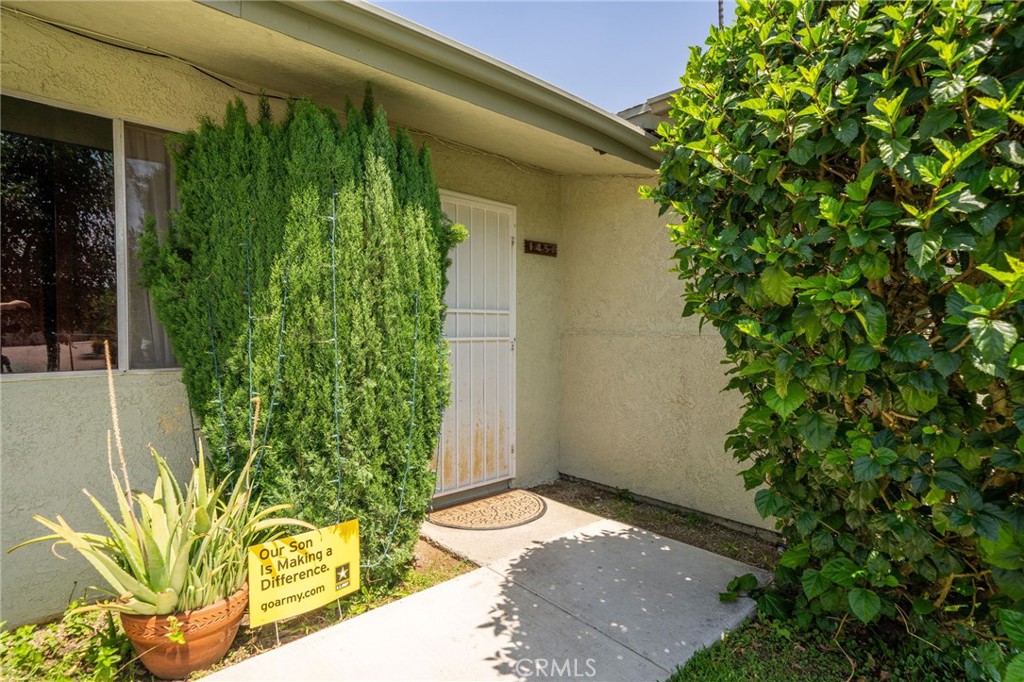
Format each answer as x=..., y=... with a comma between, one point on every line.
x=305, y=271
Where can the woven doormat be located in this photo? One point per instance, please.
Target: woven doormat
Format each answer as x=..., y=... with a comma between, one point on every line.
x=504, y=510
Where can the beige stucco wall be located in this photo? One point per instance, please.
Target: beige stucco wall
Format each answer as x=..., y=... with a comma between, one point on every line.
x=65, y=69
x=53, y=428
x=642, y=400
x=53, y=436
x=54, y=444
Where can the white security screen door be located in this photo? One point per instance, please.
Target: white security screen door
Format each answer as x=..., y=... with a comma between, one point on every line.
x=477, y=445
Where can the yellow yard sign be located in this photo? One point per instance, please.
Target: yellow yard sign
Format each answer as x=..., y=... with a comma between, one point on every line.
x=297, y=574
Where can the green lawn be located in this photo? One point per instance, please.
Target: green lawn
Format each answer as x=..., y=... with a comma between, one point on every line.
x=776, y=651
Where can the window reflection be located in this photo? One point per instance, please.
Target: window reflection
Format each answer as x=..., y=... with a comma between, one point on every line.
x=57, y=239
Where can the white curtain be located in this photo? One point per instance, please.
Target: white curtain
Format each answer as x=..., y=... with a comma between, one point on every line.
x=150, y=191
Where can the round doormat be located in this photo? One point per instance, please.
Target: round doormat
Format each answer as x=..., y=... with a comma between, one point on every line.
x=504, y=510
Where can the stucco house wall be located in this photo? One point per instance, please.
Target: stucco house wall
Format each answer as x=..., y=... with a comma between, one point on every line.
x=53, y=428
x=55, y=445
x=643, y=406
x=64, y=69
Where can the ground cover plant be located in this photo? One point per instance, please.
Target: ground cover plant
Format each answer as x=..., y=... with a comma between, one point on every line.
x=778, y=650
x=306, y=268
x=82, y=646
x=846, y=184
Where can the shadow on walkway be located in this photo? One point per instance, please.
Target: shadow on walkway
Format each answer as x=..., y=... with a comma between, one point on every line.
x=633, y=605
x=571, y=596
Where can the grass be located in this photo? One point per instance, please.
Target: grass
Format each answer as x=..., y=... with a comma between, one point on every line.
x=766, y=650
x=90, y=646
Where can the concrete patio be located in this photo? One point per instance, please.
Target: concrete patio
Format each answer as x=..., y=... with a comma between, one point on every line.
x=568, y=595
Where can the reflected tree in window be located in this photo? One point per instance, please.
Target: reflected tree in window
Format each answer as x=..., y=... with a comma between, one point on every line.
x=58, y=246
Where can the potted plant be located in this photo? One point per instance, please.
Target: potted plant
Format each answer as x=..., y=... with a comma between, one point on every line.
x=175, y=561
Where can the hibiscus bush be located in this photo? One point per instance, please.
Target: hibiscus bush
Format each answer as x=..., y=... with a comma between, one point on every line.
x=846, y=181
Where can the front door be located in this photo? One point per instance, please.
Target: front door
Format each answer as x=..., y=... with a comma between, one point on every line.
x=477, y=444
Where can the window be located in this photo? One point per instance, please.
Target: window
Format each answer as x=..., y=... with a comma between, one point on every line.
x=149, y=191
x=59, y=240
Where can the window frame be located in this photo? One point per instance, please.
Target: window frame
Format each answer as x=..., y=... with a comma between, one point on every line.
x=120, y=243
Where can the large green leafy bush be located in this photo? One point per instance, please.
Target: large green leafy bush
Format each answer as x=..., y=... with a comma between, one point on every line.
x=847, y=178
x=306, y=268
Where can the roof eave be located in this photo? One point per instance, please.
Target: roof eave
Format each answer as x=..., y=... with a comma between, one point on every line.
x=394, y=45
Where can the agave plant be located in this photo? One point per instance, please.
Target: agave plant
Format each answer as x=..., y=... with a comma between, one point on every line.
x=171, y=551
x=219, y=565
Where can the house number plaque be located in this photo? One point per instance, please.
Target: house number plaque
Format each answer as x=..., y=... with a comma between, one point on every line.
x=540, y=248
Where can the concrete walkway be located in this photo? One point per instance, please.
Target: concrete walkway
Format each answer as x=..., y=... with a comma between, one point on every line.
x=570, y=595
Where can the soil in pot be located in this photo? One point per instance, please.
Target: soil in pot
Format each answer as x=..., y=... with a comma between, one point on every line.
x=208, y=633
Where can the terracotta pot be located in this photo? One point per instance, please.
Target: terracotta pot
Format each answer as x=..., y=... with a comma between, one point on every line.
x=208, y=633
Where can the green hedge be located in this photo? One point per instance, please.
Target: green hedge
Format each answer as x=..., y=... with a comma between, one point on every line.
x=305, y=273
x=847, y=178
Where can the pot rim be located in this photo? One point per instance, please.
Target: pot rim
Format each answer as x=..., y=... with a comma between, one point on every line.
x=235, y=604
